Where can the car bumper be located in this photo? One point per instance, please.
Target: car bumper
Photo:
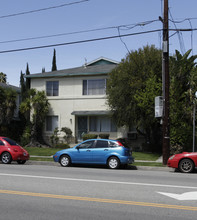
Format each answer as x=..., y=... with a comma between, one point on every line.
x=127, y=160
x=173, y=163
x=20, y=156
x=56, y=158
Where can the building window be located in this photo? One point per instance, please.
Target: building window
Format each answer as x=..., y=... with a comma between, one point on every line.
x=52, y=88
x=94, y=87
x=51, y=123
x=101, y=124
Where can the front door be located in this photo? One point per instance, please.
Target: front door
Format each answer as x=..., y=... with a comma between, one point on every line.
x=82, y=126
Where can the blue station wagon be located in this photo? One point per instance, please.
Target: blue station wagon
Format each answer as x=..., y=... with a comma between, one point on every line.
x=112, y=153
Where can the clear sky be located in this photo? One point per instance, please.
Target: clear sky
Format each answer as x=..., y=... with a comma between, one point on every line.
x=80, y=17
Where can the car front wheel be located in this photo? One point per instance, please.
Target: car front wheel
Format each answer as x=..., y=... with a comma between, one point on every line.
x=6, y=158
x=186, y=166
x=113, y=163
x=65, y=160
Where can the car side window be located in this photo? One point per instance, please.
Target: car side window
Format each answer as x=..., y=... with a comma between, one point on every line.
x=87, y=144
x=101, y=144
x=112, y=144
x=1, y=143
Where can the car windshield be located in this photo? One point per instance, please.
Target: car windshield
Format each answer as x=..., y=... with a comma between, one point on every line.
x=10, y=141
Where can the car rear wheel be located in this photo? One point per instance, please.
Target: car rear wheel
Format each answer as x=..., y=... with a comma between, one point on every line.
x=6, y=158
x=21, y=161
x=186, y=166
x=113, y=163
x=65, y=160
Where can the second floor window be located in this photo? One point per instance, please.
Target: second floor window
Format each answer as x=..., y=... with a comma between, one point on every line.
x=94, y=87
x=52, y=88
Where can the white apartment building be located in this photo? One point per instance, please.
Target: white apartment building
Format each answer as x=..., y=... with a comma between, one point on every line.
x=77, y=99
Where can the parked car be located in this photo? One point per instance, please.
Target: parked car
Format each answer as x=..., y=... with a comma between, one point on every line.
x=185, y=162
x=96, y=151
x=11, y=151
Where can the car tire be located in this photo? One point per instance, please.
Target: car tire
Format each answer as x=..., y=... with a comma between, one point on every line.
x=6, y=158
x=21, y=161
x=113, y=163
x=186, y=166
x=65, y=161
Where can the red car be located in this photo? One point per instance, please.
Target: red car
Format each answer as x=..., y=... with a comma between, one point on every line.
x=185, y=162
x=11, y=151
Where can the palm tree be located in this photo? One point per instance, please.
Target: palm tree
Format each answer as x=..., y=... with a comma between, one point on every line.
x=38, y=105
x=3, y=77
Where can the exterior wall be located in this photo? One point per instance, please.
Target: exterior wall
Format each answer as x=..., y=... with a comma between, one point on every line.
x=71, y=99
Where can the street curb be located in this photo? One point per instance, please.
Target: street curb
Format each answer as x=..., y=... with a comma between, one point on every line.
x=148, y=168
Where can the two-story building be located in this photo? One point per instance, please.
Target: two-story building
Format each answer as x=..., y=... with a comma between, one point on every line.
x=77, y=99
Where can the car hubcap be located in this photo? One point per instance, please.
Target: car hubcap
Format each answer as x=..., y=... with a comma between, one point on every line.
x=113, y=163
x=186, y=166
x=64, y=161
x=5, y=158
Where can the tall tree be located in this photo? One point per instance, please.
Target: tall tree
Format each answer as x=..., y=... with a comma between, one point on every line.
x=131, y=90
x=3, y=77
x=28, y=82
x=38, y=104
x=54, y=66
x=183, y=76
x=23, y=86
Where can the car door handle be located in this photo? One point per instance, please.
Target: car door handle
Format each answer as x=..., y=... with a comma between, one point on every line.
x=88, y=150
x=106, y=150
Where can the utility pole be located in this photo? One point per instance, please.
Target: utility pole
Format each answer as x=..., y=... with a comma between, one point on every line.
x=165, y=76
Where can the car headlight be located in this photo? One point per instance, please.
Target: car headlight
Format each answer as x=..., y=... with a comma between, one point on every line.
x=171, y=157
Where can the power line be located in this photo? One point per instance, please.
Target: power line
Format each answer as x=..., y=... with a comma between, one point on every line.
x=180, y=37
x=78, y=42
x=43, y=9
x=91, y=40
x=122, y=27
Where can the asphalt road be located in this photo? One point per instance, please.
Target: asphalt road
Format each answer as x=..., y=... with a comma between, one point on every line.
x=34, y=192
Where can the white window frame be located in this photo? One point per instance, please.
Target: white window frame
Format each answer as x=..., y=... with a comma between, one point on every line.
x=88, y=91
x=52, y=91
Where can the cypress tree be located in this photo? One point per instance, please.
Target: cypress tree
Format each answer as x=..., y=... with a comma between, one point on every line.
x=23, y=86
x=27, y=79
x=54, y=66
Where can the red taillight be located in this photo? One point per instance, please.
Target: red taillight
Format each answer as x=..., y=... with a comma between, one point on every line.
x=120, y=144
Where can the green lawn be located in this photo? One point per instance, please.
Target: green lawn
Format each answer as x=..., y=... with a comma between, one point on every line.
x=146, y=156
x=41, y=151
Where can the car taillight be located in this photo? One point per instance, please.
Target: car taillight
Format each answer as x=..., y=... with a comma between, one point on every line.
x=120, y=144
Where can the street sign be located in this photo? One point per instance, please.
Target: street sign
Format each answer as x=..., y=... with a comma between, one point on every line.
x=158, y=107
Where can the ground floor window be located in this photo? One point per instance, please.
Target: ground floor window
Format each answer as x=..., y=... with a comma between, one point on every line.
x=101, y=124
x=51, y=123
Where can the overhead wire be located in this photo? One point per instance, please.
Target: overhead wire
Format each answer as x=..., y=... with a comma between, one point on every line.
x=122, y=27
x=91, y=40
x=180, y=36
x=43, y=9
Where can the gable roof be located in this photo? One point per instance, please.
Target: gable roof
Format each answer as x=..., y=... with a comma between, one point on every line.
x=100, y=66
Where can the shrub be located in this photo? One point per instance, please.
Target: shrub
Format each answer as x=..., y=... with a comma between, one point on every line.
x=89, y=136
x=176, y=149
x=54, y=138
x=68, y=134
x=104, y=136
x=26, y=136
x=62, y=146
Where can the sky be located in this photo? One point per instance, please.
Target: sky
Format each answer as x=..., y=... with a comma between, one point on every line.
x=66, y=21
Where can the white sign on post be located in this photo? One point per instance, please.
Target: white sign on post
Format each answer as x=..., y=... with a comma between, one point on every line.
x=158, y=107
